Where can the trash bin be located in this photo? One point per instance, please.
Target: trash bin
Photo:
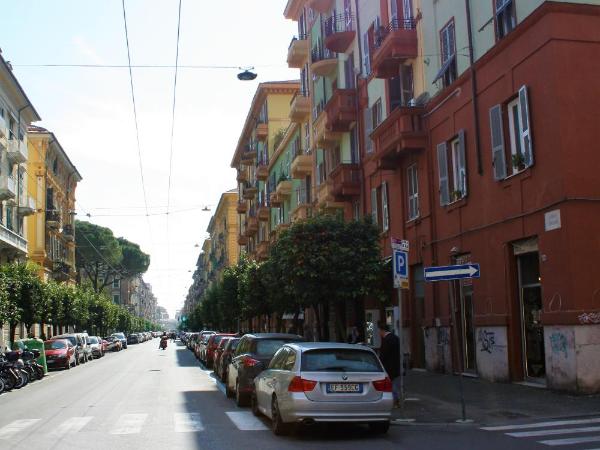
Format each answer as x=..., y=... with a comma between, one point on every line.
x=34, y=344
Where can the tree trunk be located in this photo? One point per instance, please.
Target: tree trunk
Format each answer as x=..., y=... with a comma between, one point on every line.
x=12, y=332
x=317, y=311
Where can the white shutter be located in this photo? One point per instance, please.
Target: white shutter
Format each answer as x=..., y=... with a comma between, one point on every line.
x=385, y=214
x=368, y=130
x=526, y=144
x=462, y=164
x=498, y=157
x=394, y=10
x=442, y=154
x=366, y=57
x=374, y=205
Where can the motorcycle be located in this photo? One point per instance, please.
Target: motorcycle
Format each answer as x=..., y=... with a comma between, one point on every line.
x=13, y=367
x=34, y=370
x=163, y=343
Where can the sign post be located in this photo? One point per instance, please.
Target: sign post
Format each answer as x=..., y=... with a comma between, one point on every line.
x=400, y=265
x=453, y=274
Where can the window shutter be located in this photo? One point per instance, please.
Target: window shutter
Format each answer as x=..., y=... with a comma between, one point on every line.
x=526, y=126
x=366, y=57
x=442, y=155
x=374, y=205
x=498, y=157
x=462, y=163
x=385, y=215
x=369, y=129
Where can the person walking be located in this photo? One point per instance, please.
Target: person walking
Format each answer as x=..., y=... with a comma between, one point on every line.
x=389, y=354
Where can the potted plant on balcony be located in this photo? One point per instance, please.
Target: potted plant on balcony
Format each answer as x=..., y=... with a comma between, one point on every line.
x=518, y=161
x=456, y=195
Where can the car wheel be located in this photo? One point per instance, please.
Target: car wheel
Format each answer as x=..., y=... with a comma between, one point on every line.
x=379, y=427
x=254, y=405
x=240, y=398
x=279, y=427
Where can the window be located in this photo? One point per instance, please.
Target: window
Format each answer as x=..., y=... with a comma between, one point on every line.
x=368, y=130
x=453, y=182
x=376, y=114
x=385, y=215
x=366, y=57
x=448, y=71
x=349, y=72
x=413, y=192
x=380, y=207
x=116, y=283
x=519, y=133
x=116, y=299
x=505, y=17
x=374, y=206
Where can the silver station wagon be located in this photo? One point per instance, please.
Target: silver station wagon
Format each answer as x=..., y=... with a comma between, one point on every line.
x=309, y=382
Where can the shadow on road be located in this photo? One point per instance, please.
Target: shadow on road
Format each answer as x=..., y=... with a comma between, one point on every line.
x=186, y=358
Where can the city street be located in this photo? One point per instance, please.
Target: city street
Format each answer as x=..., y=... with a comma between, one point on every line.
x=147, y=398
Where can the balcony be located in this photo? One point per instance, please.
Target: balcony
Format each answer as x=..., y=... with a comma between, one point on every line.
x=251, y=225
x=26, y=205
x=262, y=250
x=17, y=151
x=301, y=164
x=53, y=219
x=284, y=188
x=3, y=132
x=323, y=61
x=264, y=213
x=400, y=132
x=242, y=176
x=10, y=239
x=7, y=187
x=341, y=110
x=68, y=232
x=250, y=191
x=242, y=239
x=325, y=137
x=321, y=6
x=345, y=181
x=242, y=207
x=303, y=209
x=298, y=52
x=339, y=32
x=248, y=155
x=393, y=45
x=262, y=131
x=299, y=107
x=262, y=170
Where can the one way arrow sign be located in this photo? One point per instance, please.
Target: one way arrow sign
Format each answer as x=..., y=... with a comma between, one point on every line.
x=444, y=273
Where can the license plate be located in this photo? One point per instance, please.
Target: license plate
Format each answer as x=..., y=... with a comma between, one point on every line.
x=344, y=388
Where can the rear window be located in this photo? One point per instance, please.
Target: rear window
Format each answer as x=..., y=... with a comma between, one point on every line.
x=217, y=339
x=54, y=345
x=340, y=360
x=268, y=347
x=93, y=340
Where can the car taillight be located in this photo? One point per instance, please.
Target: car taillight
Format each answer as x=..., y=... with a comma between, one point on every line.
x=249, y=362
x=299, y=384
x=384, y=385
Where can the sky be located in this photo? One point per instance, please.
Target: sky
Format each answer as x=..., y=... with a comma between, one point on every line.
x=90, y=109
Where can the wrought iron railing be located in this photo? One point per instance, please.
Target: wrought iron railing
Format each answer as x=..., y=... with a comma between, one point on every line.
x=394, y=25
x=339, y=23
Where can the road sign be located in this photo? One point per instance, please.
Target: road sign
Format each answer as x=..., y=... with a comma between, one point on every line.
x=456, y=272
x=400, y=244
x=400, y=264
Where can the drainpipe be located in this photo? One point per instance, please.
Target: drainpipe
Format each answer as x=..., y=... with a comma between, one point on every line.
x=359, y=116
x=474, y=90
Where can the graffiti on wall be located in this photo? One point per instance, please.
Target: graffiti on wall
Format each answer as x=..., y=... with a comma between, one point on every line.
x=558, y=343
x=487, y=339
x=587, y=318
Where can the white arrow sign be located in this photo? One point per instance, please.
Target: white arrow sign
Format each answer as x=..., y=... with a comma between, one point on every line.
x=452, y=272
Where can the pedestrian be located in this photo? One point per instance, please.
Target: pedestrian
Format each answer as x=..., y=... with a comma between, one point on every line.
x=389, y=353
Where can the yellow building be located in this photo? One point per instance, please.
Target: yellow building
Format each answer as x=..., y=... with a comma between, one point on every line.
x=52, y=184
x=221, y=249
x=263, y=131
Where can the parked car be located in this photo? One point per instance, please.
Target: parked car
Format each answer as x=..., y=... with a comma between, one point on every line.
x=219, y=351
x=96, y=346
x=122, y=338
x=310, y=382
x=211, y=346
x=103, y=344
x=87, y=348
x=133, y=339
x=253, y=354
x=222, y=364
x=59, y=353
x=113, y=344
x=77, y=341
x=200, y=346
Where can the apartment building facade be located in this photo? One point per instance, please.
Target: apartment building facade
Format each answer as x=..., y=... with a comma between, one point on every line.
x=50, y=195
x=222, y=250
x=474, y=137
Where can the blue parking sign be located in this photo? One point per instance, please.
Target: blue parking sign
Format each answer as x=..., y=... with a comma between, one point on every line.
x=400, y=264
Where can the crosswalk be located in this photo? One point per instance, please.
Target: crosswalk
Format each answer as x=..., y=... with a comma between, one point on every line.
x=556, y=433
x=127, y=424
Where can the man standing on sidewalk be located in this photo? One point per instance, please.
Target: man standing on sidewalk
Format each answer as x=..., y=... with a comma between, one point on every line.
x=389, y=353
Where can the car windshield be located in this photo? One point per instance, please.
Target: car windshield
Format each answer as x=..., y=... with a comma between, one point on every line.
x=268, y=347
x=52, y=345
x=71, y=339
x=340, y=360
x=93, y=340
x=119, y=335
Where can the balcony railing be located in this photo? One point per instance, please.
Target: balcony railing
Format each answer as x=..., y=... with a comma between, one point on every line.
x=339, y=32
x=17, y=151
x=345, y=181
x=323, y=61
x=262, y=168
x=341, y=110
x=26, y=205
x=298, y=51
x=7, y=187
x=12, y=239
x=393, y=44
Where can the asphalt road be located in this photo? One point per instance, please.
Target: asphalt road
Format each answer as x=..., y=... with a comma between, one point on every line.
x=145, y=398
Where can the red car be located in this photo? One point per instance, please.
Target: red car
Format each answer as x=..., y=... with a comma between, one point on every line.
x=60, y=353
x=211, y=346
x=219, y=352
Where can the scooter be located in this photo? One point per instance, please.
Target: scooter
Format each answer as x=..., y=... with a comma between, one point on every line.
x=163, y=343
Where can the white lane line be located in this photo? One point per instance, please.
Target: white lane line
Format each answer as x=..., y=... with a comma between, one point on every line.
x=72, y=425
x=570, y=441
x=541, y=424
x=129, y=424
x=245, y=421
x=188, y=423
x=14, y=427
x=554, y=432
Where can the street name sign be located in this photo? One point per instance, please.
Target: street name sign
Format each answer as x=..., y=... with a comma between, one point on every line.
x=456, y=272
x=400, y=244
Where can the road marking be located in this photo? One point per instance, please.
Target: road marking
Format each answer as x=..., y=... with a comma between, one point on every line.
x=571, y=441
x=14, y=427
x=72, y=425
x=554, y=432
x=245, y=421
x=129, y=424
x=188, y=422
x=541, y=424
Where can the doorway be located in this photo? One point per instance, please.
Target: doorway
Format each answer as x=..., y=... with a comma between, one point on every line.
x=530, y=305
x=463, y=291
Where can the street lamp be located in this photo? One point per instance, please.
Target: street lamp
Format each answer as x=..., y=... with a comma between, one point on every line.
x=247, y=75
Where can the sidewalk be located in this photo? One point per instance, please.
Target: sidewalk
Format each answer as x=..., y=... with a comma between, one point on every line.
x=435, y=398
